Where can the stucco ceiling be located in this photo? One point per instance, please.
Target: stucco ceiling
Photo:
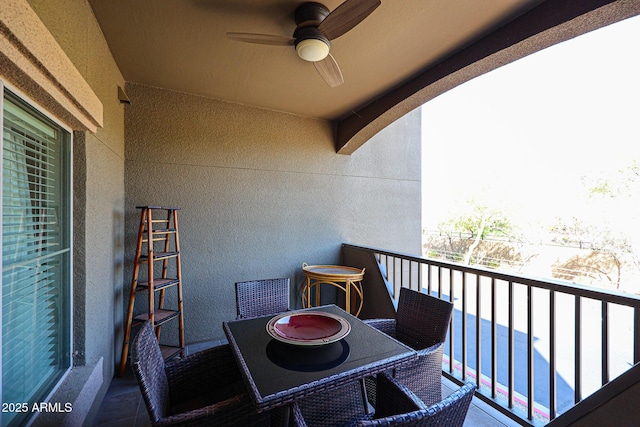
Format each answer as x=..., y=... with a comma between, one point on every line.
x=181, y=45
x=404, y=53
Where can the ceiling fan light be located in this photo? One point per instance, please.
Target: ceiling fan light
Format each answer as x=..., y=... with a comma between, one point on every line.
x=312, y=50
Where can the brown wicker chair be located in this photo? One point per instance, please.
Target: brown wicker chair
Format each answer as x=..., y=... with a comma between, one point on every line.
x=202, y=389
x=397, y=406
x=422, y=323
x=261, y=297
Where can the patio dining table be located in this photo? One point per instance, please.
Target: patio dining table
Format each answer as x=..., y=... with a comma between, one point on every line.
x=277, y=374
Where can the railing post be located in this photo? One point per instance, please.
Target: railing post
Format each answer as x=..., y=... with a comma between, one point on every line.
x=494, y=340
x=636, y=335
x=552, y=355
x=530, y=355
x=478, y=333
x=578, y=353
x=511, y=355
x=605, y=342
x=452, y=323
x=464, y=327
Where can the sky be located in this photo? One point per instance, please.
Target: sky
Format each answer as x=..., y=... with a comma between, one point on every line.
x=522, y=136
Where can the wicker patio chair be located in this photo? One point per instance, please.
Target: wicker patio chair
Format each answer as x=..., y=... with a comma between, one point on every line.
x=397, y=406
x=202, y=389
x=422, y=323
x=261, y=297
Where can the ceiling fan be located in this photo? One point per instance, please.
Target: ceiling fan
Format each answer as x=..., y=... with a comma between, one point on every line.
x=315, y=28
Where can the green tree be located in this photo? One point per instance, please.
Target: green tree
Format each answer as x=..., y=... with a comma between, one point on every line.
x=477, y=222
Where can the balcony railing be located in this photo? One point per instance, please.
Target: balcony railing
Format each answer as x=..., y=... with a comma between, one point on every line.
x=534, y=347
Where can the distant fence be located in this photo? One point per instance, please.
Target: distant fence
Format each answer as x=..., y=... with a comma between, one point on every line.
x=577, y=262
x=552, y=241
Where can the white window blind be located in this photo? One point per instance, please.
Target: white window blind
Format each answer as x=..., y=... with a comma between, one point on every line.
x=35, y=256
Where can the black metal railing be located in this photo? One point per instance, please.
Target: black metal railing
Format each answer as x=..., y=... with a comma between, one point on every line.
x=534, y=347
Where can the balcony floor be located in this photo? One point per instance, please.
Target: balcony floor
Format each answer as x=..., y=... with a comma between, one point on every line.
x=123, y=406
x=480, y=414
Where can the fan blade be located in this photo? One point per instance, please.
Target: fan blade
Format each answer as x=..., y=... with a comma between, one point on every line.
x=329, y=71
x=346, y=16
x=262, y=39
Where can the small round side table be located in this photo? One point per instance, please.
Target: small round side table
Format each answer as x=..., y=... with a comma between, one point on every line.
x=348, y=279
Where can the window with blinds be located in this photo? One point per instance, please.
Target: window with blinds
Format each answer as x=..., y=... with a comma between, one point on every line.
x=36, y=256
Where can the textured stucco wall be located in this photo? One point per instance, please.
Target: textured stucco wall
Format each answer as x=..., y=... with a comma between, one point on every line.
x=98, y=210
x=261, y=192
x=36, y=64
x=73, y=25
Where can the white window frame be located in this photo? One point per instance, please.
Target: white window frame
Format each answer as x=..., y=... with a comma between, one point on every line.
x=5, y=86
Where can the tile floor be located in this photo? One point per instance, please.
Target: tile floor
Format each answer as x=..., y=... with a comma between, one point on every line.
x=123, y=405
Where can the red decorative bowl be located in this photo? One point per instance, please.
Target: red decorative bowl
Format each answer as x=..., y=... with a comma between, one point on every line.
x=308, y=328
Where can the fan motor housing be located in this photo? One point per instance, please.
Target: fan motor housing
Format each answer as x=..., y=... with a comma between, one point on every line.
x=306, y=33
x=312, y=13
x=308, y=16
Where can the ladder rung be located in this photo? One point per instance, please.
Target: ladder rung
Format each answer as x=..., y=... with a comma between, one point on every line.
x=159, y=283
x=166, y=208
x=169, y=351
x=160, y=316
x=162, y=231
x=154, y=227
x=160, y=239
x=159, y=256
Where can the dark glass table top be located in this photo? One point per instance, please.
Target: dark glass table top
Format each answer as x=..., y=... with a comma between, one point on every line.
x=277, y=373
